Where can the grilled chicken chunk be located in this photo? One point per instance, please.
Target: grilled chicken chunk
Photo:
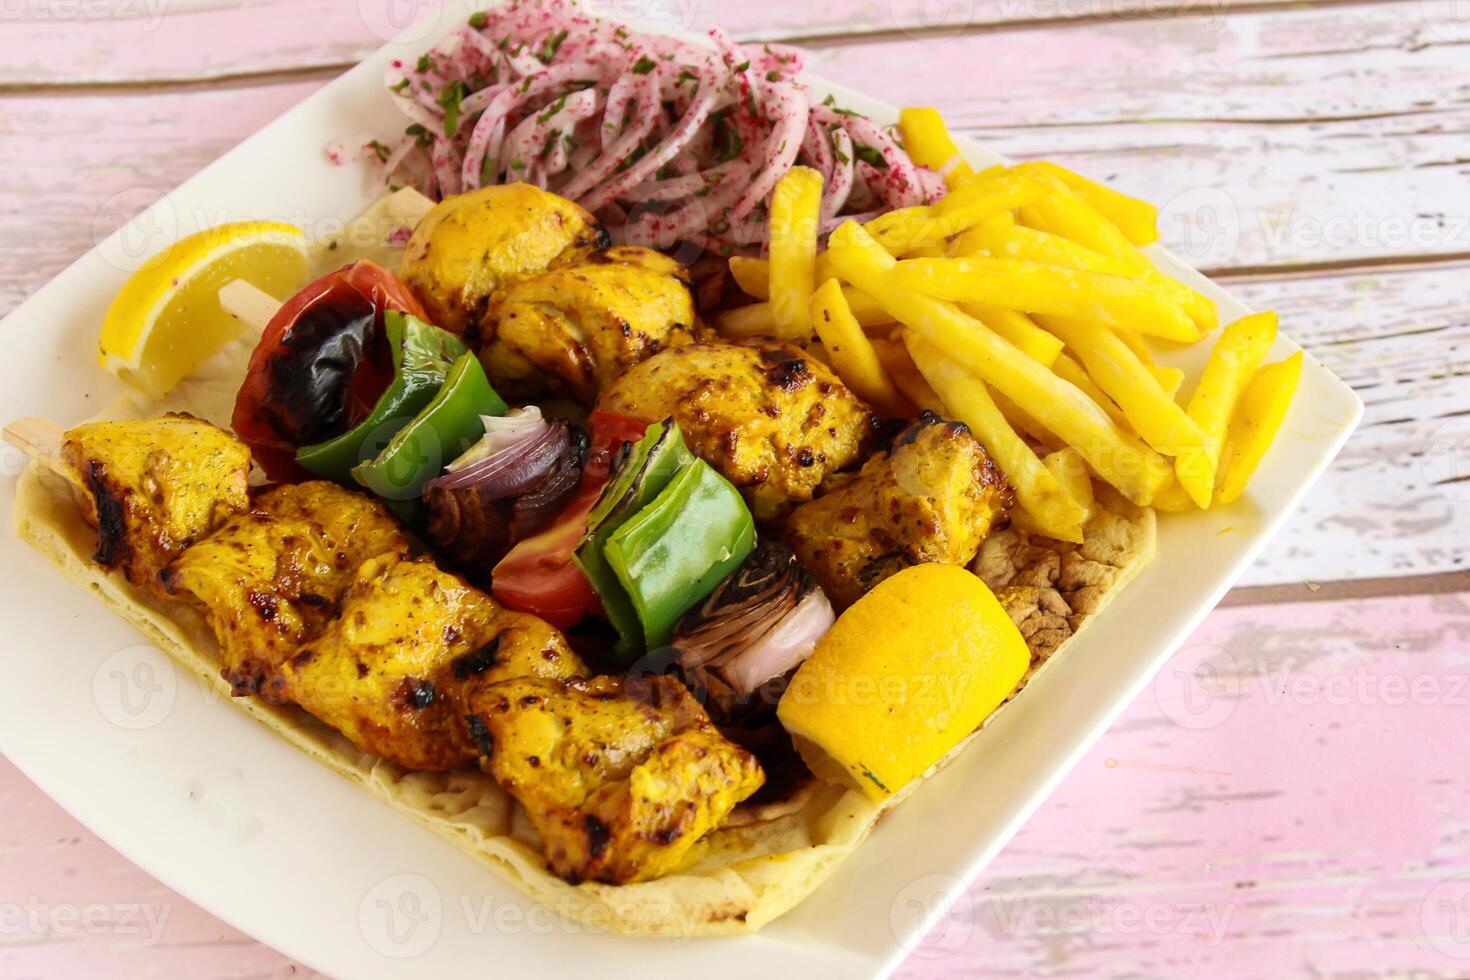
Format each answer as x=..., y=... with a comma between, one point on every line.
x=932, y=498
x=575, y=328
x=412, y=643
x=270, y=578
x=155, y=486
x=772, y=420
x=471, y=244
x=619, y=776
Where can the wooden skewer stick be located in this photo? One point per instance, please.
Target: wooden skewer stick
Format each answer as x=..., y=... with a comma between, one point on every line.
x=251, y=306
x=408, y=206
x=40, y=439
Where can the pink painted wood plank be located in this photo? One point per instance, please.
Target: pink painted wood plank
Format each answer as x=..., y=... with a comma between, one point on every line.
x=66, y=42
x=1287, y=798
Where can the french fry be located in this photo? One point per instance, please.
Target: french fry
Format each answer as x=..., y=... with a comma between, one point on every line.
x=1003, y=238
x=758, y=319
x=1035, y=288
x=900, y=368
x=1071, y=371
x=1172, y=499
x=753, y=276
x=1019, y=329
x=988, y=194
x=1118, y=457
x=1070, y=469
x=849, y=351
x=1064, y=213
x=1139, y=220
x=1038, y=489
x=1257, y=419
x=927, y=141
x=1170, y=379
x=1136, y=344
x=1023, y=421
x=796, y=211
x=1242, y=346
x=1150, y=410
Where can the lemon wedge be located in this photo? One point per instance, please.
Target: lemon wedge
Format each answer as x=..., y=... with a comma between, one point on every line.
x=167, y=320
x=903, y=676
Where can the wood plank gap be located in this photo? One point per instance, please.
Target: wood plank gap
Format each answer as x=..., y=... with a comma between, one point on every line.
x=1438, y=583
x=223, y=82
x=1314, y=270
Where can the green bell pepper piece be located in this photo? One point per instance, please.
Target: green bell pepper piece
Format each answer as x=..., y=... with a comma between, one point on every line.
x=651, y=463
x=674, y=551
x=422, y=357
x=444, y=429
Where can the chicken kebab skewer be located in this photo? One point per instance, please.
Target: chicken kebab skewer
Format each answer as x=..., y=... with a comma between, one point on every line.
x=316, y=601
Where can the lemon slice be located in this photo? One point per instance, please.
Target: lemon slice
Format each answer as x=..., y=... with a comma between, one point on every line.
x=167, y=319
x=903, y=676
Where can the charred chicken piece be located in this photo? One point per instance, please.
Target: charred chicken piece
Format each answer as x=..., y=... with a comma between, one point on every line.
x=471, y=244
x=770, y=419
x=155, y=486
x=620, y=776
x=575, y=328
x=411, y=646
x=270, y=578
x=932, y=498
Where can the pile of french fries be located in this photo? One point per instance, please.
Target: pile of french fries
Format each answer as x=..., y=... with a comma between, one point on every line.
x=1021, y=305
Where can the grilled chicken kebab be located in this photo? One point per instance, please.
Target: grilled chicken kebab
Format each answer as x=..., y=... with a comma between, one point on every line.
x=405, y=659
x=317, y=598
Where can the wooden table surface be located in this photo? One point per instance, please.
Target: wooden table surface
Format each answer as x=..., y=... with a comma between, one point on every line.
x=1291, y=797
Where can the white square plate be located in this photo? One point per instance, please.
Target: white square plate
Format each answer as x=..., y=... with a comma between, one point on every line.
x=226, y=813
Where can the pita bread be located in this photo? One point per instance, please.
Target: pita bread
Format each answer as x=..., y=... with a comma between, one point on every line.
x=759, y=865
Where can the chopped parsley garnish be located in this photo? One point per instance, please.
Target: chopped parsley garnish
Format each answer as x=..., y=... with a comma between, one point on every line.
x=876, y=781
x=423, y=64
x=548, y=50
x=450, y=97
x=686, y=76
x=869, y=154
x=554, y=108
x=479, y=19
x=831, y=103
x=773, y=75
x=421, y=135
x=644, y=65
x=727, y=139
x=743, y=66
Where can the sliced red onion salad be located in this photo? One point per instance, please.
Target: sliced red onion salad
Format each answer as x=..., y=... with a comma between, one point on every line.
x=742, y=643
x=664, y=139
